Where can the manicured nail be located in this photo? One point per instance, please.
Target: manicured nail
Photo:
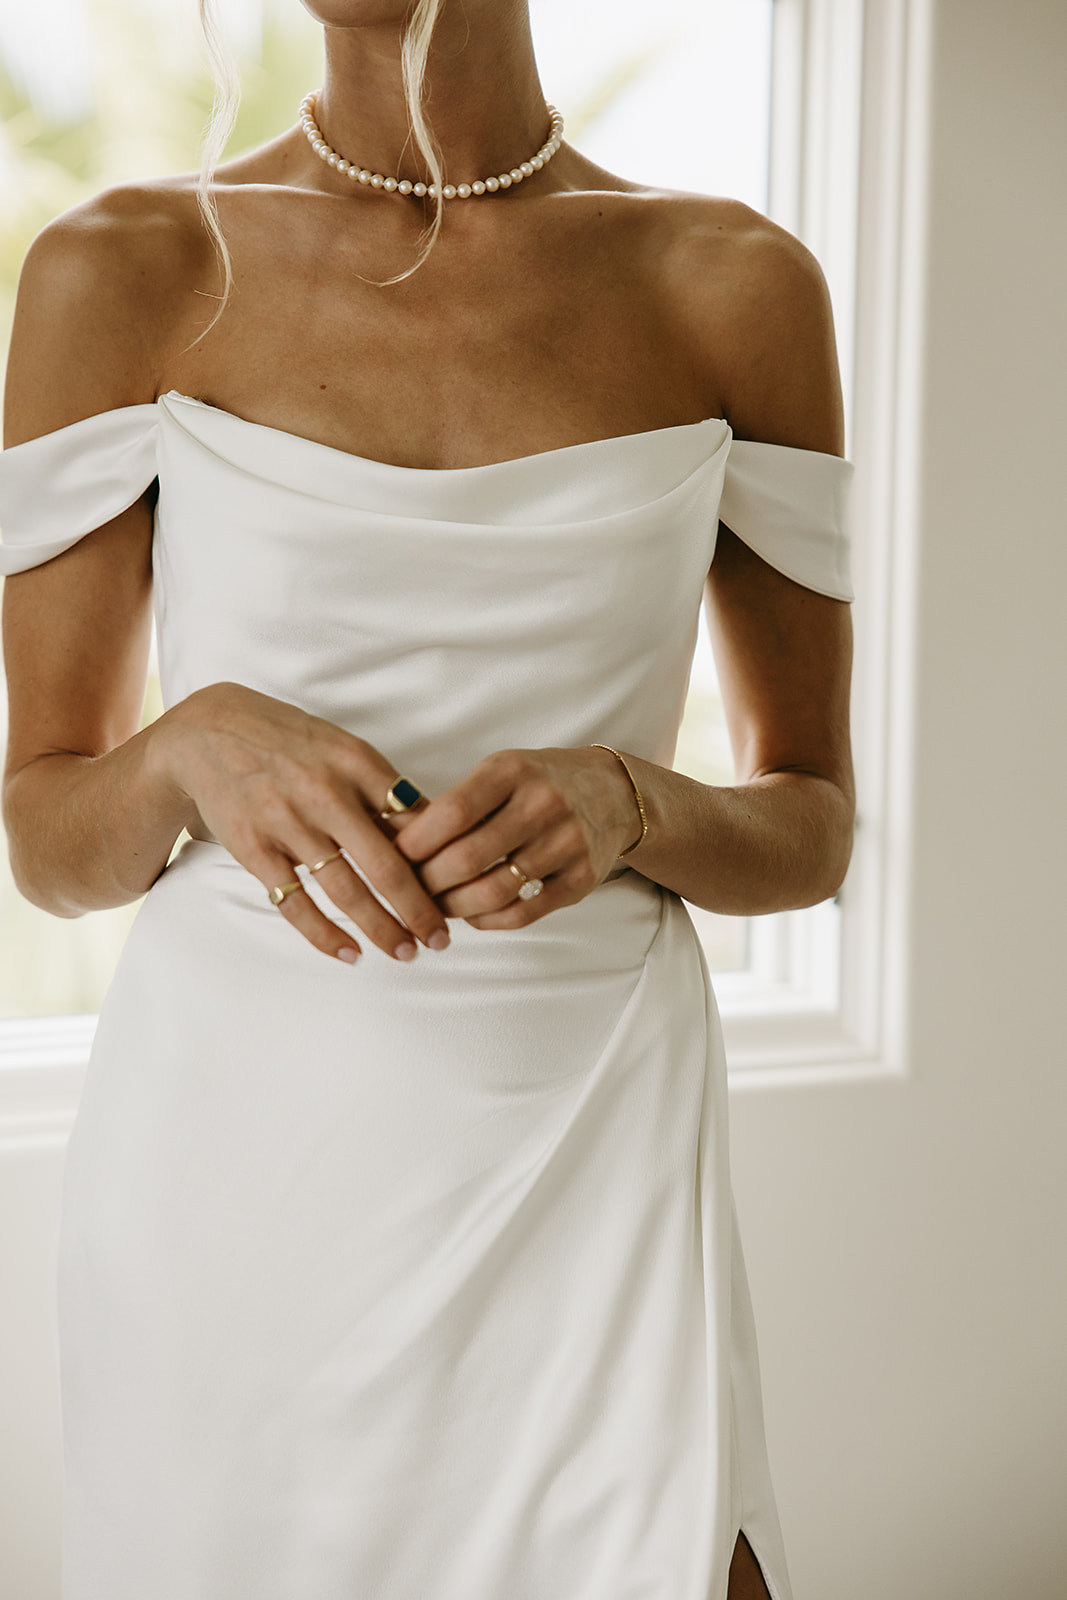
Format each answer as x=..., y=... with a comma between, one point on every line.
x=348, y=954
x=405, y=952
x=439, y=940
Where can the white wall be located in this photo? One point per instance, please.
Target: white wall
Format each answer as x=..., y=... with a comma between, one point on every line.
x=907, y=1240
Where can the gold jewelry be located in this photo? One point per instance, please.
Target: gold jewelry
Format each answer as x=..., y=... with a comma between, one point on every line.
x=637, y=797
x=324, y=862
x=529, y=888
x=401, y=797
x=283, y=891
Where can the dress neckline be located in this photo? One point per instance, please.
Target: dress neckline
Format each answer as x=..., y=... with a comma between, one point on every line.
x=676, y=430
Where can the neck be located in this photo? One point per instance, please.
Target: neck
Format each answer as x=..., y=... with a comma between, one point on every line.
x=483, y=97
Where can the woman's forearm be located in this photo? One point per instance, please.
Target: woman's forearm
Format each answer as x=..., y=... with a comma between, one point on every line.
x=776, y=843
x=88, y=832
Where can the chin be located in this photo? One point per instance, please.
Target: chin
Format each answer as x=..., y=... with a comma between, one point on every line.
x=359, y=13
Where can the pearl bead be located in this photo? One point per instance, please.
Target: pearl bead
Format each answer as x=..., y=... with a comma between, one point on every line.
x=449, y=191
x=516, y=175
x=492, y=185
x=376, y=180
x=344, y=166
x=332, y=159
x=537, y=162
x=478, y=188
x=504, y=180
x=527, y=169
x=431, y=190
x=390, y=185
x=463, y=191
x=405, y=186
x=419, y=189
x=364, y=175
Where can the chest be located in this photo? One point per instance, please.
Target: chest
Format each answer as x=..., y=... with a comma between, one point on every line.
x=503, y=343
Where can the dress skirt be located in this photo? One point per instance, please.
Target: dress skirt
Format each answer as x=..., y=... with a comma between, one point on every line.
x=401, y=1281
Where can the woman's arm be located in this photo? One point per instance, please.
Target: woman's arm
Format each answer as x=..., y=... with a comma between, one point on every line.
x=85, y=828
x=92, y=807
x=781, y=837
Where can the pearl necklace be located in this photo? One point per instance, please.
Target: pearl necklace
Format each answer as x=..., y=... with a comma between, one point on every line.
x=451, y=191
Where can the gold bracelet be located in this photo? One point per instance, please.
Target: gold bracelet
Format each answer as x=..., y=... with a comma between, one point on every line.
x=637, y=797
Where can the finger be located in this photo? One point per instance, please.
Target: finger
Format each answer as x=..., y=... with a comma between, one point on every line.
x=354, y=899
x=534, y=818
x=339, y=879
x=346, y=889
x=459, y=809
x=389, y=875
x=563, y=888
x=536, y=861
x=273, y=869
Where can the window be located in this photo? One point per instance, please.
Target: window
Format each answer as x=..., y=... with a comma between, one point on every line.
x=799, y=107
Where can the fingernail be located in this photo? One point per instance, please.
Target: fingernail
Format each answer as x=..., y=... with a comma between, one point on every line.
x=405, y=952
x=439, y=940
x=348, y=954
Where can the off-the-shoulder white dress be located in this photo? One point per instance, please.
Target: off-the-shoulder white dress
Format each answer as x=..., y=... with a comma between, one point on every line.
x=414, y=1282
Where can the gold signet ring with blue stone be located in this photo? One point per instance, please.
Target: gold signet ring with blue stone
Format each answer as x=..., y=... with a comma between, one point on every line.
x=401, y=797
x=529, y=888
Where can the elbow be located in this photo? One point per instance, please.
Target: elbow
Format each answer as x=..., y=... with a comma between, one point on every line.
x=29, y=873
x=33, y=885
x=836, y=853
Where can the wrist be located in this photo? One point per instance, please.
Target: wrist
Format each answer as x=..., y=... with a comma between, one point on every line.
x=636, y=803
x=163, y=769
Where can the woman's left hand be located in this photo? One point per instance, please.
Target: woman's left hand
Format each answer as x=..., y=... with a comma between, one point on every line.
x=562, y=816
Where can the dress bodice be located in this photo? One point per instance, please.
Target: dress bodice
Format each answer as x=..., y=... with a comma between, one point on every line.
x=548, y=600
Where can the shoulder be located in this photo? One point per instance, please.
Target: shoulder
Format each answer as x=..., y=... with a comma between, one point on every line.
x=757, y=308
x=104, y=290
x=131, y=243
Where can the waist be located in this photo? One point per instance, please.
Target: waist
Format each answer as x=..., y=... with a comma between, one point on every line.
x=610, y=930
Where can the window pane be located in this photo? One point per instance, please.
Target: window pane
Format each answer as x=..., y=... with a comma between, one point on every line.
x=675, y=92
x=94, y=92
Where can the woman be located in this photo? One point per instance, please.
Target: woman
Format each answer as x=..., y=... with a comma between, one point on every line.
x=397, y=1256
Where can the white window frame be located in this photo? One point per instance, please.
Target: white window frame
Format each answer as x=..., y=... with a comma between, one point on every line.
x=823, y=996
x=826, y=998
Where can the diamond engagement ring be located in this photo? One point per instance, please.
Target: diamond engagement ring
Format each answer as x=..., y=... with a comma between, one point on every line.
x=529, y=888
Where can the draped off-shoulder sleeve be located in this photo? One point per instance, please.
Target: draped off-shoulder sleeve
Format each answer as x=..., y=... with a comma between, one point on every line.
x=57, y=488
x=792, y=508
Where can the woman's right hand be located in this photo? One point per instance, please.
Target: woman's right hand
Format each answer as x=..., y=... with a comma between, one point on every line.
x=277, y=786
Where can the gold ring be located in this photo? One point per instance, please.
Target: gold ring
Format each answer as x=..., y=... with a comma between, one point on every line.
x=324, y=862
x=529, y=888
x=401, y=797
x=283, y=891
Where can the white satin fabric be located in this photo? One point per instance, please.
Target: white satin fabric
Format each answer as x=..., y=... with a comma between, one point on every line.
x=414, y=1282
